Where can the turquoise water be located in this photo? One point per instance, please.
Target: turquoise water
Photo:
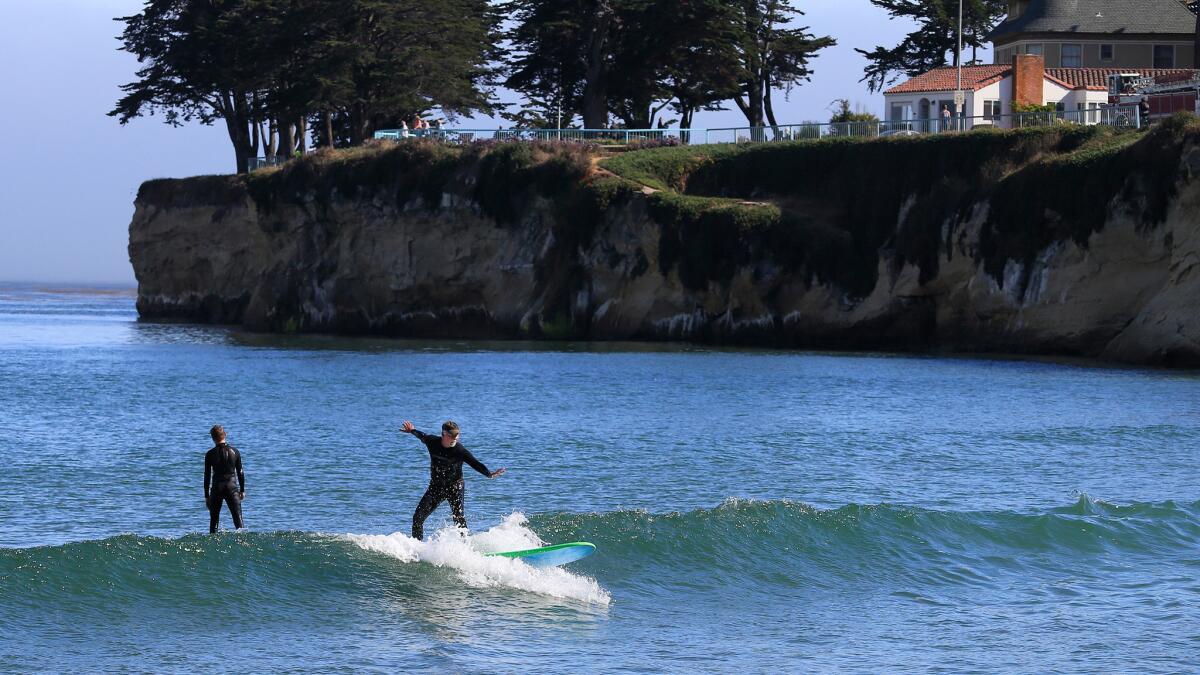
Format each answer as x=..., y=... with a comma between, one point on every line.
x=754, y=511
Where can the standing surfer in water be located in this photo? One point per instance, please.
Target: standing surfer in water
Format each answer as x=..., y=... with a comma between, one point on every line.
x=221, y=465
x=446, y=457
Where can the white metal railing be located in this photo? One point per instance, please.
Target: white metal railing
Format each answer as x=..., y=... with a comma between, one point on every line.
x=1122, y=116
x=603, y=136
x=1116, y=116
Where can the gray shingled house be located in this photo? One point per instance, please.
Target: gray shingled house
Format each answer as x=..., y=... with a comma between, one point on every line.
x=1098, y=33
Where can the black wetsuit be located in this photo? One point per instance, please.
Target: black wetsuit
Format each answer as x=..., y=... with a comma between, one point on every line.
x=445, y=481
x=222, y=465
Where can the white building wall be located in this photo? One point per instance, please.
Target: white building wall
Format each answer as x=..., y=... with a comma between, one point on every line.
x=1006, y=95
x=992, y=92
x=1053, y=92
x=1002, y=91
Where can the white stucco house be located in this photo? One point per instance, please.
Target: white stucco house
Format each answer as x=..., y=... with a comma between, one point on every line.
x=991, y=91
x=1082, y=41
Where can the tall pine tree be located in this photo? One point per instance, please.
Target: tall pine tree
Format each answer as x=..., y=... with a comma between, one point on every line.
x=933, y=43
x=772, y=55
x=283, y=62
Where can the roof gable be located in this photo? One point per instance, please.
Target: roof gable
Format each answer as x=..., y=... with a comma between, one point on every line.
x=1096, y=79
x=978, y=77
x=1110, y=17
x=945, y=78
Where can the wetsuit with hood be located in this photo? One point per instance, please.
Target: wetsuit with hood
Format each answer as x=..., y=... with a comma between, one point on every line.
x=445, y=480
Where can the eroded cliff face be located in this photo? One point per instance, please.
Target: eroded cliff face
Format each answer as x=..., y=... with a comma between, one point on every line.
x=442, y=263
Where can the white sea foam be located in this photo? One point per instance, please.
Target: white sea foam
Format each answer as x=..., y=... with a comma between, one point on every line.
x=448, y=548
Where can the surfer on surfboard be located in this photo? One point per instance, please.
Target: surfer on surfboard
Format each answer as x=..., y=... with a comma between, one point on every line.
x=446, y=457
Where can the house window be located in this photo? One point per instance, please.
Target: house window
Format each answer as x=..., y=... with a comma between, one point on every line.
x=1059, y=107
x=991, y=110
x=1035, y=50
x=1164, y=56
x=1072, y=56
x=1106, y=52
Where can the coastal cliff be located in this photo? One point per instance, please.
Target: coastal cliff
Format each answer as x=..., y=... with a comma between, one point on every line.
x=1058, y=241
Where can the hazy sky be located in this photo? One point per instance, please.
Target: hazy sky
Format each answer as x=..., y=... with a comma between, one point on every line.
x=70, y=174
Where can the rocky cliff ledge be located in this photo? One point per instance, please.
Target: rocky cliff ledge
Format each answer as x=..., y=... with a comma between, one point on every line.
x=1062, y=241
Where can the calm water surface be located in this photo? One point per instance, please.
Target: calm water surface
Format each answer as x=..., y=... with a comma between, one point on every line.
x=753, y=510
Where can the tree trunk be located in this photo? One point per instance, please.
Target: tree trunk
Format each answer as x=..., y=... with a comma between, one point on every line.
x=595, y=89
x=233, y=111
x=327, y=118
x=272, y=148
x=302, y=134
x=241, y=158
x=685, y=122
x=287, y=142
x=636, y=114
x=753, y=59
x=756, y=102
x=767, y=105
x=357, y=125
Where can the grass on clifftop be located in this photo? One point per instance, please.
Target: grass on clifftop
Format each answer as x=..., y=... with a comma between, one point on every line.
x=833, y=205
x=500, y=174
x=828, y=208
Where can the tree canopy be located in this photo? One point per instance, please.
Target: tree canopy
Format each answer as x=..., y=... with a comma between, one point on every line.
x=630, y=59
x=935, y=40
x=268, y=67
x=279, y=73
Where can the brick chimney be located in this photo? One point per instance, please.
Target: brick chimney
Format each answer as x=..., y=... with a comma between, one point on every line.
x=1029, y=72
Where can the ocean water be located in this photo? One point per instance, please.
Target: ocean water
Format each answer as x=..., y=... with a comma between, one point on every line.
x=753, y=511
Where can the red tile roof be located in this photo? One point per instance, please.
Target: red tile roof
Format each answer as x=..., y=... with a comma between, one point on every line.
x=978, y=77
x=1096, y=79
x=945, y=78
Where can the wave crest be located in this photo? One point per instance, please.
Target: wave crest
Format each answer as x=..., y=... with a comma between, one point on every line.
x=448, y=548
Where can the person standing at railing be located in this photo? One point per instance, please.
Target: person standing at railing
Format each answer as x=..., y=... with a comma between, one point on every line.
x=945, y=119
x=403, y=129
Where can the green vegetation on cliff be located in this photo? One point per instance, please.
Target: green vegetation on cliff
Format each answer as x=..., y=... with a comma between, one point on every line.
x=413, y=174
x=834, y=205
x=1069, y=196
x=829, y=209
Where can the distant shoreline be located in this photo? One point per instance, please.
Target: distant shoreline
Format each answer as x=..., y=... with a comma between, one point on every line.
x=74, y=288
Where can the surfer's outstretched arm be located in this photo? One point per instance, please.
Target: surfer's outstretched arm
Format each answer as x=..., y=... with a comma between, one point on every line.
x=478, y=465
x=408, y=428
